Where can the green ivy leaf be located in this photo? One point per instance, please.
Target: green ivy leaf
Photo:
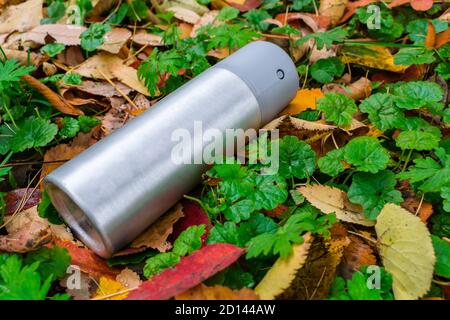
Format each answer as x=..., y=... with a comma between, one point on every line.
x=414, y=55
x=338, y=108
x=382, y=111
x=33, y=132
x=189, y=240
x=331, y=163
x=324, y=70
x=373, y=191
x=297, y=159
x=269, y=192
x=366, y=154
x=94, y=36
x=417, y=94
x=52, y=49
x=417, y=140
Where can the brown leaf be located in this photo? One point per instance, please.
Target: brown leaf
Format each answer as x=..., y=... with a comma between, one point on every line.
x=62, y=33
x=217, y=292
x=333, y=9
x=23, y=57
x=128, y=278
x=442, y=38
x=115, y=40
x=156, y=235
x=423, y=209
x=184, y=14
x=128, y=76
x=21, y=17
x=356, y=255
x=103, y=6
x=26, y=232
x=431, y=35
x=207, y=18
x=55, y=99
x=358, y=90
x=103, y=89
x=147, y=39
x=277, y=212
x=102, y=61
x=244, y=5
x=81, y=290
x=21, y=199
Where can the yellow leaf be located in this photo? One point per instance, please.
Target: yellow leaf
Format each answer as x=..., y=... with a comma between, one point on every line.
x=284, y=271
x=329, y=199
x=108, y=288
x=202, y=292
x=406, y=251
x=305, y=98
x=333, y=9
x=370, y=56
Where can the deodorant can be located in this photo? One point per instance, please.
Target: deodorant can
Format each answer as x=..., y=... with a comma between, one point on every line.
x=114, y=190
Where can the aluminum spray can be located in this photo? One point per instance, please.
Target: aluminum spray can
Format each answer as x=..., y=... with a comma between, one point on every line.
x=117, y=188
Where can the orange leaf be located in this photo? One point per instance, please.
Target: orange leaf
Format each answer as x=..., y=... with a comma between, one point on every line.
x=442, y=38
x=58, y=102
x=431, y=35
x=356, y=255
x=202, y=292
x=305, y=98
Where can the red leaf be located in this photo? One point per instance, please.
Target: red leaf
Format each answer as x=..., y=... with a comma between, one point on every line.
x=191, y=271
x=194, y=215
x=87, y=260
x=21, y=199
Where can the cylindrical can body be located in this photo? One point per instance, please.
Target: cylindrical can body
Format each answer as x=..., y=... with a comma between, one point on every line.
x=113, y=191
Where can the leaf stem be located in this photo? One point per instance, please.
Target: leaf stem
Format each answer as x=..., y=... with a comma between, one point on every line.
x=408, y=157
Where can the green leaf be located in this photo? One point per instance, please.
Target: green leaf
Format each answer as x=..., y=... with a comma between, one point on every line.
x=47, y=211
x=414, y=55
x=269, y=192
x=417, y=140
x=154, y=265
x=94, y=36
x=382, y=111
x=430, y=173
x=233, y=277
x=256, y=17
x=445, y=194
x=227, y=14
x=72, y=78
x=137, y=10
x=189, y=240
x=297, y=159
x=417, y=94
x=331, y=163
x=11, y=71
x=442, y=252
x=70, y=128
x=324, y=70
x=21, y=282
x=55, y=11
x=338, y=108
x=118, y=17
x=33, y=132
x=52, y=261
x=87, y=123
x=373, y=191
x=240, y=210
x=52, y=49
x=326, y=38
x=440, y=224
x=366, y=154
x=418, y=29
x=443, y=70
x=300, y=4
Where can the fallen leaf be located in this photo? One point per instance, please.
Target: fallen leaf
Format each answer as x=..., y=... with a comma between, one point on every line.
x=26, y=232
x=23, y=57
x=103, y=89
x=147, y=39
x=244, y=5
x=419, y=5
x=128, y=76
x=406, y=250
x=207, y=18
x=109, y=289
x=304, y=99
x=87, y=260
x=128, y=278
x=184, y=14
x=414, y=72
x=194, y=215
x=376, y=57
x=21, y=17
x=103, y=6
x=217, y=292
x=115, y=40
x=358, y=90
x=356, y=254
x=333, y=9
x=157, y=234
x=21, y=199
x=277, y=212
x=192, y=5
x=423, y=209
x=189, y=272
x=431, y=35
x=102, y=61
x=283, y=272
x=330, y=199
x=442, y=38
x=80, y=290
x=57, y=101
x=68, y=35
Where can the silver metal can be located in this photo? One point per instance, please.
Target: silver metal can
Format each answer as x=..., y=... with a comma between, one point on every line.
x=114, y=190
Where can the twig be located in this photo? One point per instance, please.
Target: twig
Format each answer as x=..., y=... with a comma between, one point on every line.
x=117, y=88
x=420, y=204
x=364, y=237
x=114, y=294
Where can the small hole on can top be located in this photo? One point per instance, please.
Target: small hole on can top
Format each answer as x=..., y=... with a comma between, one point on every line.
x=280, y=74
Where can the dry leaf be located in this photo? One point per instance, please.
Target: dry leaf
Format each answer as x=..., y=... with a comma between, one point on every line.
x=62, y=33
x=370, y=56
x=129, y=279
x=406, y=250
x=333, y=9
x=103, y=89
x=108, y=290
x=202, y=292
x=115, y=40
x=442, y=38
x=57, y=102
x=80, y=290
x=103, y=6
x=102, y=61
x=207, y=18
x=356, y=255
x=304, y=99
x=156, y=235
x=21, y=17
x=423, y=209
x=184, y=14
x=329, y=200
x=358, y=90
x=192, y=5
x=128, y=76
x=147, y=39
x=281, y=275
x=23, y=57
x=26, y=232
